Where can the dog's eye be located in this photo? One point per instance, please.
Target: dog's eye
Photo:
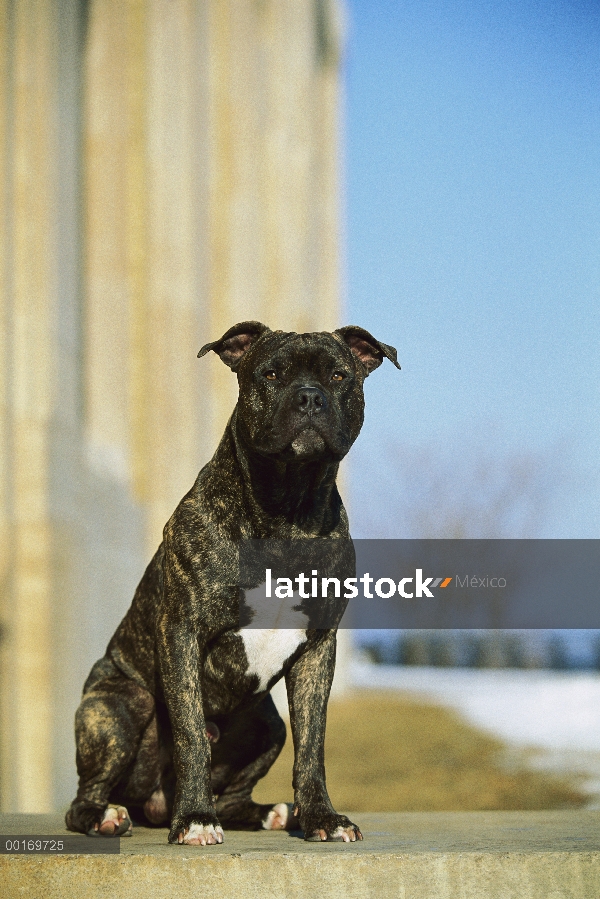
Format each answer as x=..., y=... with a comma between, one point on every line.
x=271, y=375
x=338, y=376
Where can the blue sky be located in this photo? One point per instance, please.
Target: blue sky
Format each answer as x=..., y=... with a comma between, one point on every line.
x=473, y=242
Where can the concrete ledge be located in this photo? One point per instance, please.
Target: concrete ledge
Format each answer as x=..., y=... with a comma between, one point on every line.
x=439, y=855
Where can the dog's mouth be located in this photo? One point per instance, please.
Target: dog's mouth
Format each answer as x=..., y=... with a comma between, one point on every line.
x=308, y=443
x=303, y=439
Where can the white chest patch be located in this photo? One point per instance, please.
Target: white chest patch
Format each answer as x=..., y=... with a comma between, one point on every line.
x=267, y=650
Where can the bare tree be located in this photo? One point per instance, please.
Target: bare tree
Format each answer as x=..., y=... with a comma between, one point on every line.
x=479, y=493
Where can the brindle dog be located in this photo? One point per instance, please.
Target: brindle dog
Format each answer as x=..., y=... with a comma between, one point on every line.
x=176, y=719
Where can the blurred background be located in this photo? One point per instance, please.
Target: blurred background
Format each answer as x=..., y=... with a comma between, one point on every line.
x=426, y=170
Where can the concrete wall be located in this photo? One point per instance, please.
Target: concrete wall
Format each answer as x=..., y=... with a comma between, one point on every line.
x=413, y=855
x=167, y=168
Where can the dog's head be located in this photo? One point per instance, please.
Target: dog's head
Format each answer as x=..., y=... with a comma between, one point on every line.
x=301, y=395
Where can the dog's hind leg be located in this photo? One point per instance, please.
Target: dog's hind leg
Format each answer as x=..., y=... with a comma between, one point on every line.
x=249, y=745
x=110, y=721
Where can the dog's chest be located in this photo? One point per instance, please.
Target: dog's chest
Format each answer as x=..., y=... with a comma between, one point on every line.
x=268, y=649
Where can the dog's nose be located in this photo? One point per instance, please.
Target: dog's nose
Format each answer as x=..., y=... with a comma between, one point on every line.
x=309, y=400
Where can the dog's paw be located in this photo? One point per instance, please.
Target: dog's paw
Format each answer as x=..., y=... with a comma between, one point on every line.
x=212, y=732
x=201, y=835
x=341, y=834
x=191, y=831
x=155, y=808
x=115, y=822
x=331, y=828
x=281, y=817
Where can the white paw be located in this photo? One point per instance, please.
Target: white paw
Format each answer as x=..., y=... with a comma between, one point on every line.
x=115, y=822
x=278, y=817
x=345, y=834
x=201, y=835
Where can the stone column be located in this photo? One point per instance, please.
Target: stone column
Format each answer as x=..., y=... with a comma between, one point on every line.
x=167, y=168
x=272, y=155
x=178, y=419
x=29, y=270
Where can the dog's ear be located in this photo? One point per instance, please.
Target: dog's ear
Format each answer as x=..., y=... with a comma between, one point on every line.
x=366, y=348
x=235, y=342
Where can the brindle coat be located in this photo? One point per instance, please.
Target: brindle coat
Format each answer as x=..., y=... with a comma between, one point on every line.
x=175, y=674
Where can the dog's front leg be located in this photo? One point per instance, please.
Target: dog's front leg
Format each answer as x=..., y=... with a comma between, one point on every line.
x=194, y=820
x=308, y=684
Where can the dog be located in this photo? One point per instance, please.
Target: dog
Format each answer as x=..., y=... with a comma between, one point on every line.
x=177, y=723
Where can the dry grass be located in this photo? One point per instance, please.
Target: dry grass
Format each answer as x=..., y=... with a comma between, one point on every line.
x=388, y=753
